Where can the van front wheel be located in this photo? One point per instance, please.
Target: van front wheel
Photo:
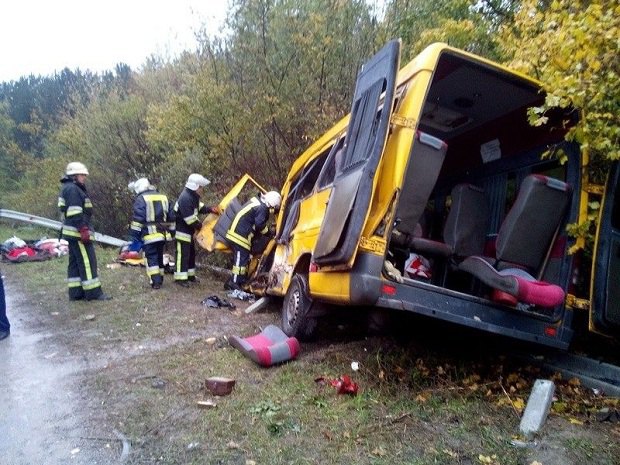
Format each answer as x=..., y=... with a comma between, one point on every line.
x=295, y=308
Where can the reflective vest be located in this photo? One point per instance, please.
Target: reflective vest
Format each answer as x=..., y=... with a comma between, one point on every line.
x=152, y=217
x=75, y=208
x=252, y=218
x=186, y=210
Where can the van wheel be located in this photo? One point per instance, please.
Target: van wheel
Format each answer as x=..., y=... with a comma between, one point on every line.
x=295, y=308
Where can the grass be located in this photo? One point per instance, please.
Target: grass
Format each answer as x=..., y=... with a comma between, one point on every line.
x=148, y=357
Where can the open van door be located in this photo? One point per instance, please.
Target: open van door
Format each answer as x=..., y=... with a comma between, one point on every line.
x=210, y=236
x=605, y=291
x=349, y=201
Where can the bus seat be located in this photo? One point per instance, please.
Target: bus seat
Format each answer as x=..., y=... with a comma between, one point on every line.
x=425, y=162
x=523, y=243
x=466, y=225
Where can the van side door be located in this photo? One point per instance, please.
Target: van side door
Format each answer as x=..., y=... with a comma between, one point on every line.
x=350, y=198
x=605, y=291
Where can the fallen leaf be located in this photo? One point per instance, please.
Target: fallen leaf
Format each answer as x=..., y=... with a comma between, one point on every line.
x=574, y=382
x=379, y=452
x=233, y=445
x=574, y=421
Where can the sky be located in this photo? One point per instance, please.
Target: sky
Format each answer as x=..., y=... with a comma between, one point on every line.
x=41, y=37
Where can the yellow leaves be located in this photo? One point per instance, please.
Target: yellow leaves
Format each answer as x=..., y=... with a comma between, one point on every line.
x=488, y=460
x=574, y=421
x=519, y=404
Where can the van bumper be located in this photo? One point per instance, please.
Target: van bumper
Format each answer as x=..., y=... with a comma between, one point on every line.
x=370, y=288
x=476, y=313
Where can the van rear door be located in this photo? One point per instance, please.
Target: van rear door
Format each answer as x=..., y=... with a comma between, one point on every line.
x=605, y=291
x=347, y=208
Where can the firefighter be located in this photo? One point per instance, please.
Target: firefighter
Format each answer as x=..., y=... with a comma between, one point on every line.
x=151, y=224
x=76, y=209
x=252, y=219
x=186, y=211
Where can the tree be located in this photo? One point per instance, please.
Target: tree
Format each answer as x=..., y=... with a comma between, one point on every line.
x=573, y=48
x=459, y=23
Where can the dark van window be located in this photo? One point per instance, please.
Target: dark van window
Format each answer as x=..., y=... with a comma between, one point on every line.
x=310, y=174
x=331, y=165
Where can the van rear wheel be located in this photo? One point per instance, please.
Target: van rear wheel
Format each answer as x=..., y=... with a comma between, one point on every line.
x=295, y=309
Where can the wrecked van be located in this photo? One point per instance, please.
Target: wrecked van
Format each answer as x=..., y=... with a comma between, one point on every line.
x=436, y=196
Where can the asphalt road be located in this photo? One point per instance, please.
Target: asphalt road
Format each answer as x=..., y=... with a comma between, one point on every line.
x=42, y=416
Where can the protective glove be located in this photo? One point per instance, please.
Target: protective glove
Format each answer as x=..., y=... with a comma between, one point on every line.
x=85, y=235
x=216, y=210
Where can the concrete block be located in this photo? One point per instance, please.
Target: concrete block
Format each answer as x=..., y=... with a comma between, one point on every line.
x=537, y=407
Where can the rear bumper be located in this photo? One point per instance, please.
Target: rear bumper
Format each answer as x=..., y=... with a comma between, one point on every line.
x=455, y=307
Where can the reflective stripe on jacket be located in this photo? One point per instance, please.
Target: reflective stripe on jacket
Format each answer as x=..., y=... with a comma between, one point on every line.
x=252, y=218
x=186, y=210
x=75, y=207
x=152, y=217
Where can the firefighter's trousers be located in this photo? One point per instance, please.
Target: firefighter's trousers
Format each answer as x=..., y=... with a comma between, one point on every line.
x=154, y=255
x=82, y=277
x=241, y=260
x=185, y=261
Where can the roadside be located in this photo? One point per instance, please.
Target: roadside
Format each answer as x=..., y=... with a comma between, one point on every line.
x=43, y=406
x=137, y=364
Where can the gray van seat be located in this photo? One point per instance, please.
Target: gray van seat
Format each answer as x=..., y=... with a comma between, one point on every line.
x=425, y=162
x=523, y=242
x=466, y=226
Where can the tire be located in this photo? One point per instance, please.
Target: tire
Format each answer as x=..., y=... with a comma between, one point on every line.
x=295, y=308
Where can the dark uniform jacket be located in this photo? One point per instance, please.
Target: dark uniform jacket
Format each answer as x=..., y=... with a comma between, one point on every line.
x=252, y=218
x=152, y=217
x=186, y=211
x=75, y=206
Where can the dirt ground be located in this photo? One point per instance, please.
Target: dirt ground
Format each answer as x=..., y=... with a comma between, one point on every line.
x=118, y=382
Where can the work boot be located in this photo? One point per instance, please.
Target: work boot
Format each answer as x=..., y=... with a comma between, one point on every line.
x=101, y=296
x=156, y=286
x=194, y=280
x=182, y=283
x=230, y=285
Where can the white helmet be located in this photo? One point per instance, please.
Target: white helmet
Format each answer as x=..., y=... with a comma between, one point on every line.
x=195, y=181
x=272, y=199
x=140, y=185
x=75, y=167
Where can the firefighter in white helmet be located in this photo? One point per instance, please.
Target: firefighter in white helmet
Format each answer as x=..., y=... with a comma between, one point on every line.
x=151, y=223
x=251, y=220
x=186, y=211
x=76, y=209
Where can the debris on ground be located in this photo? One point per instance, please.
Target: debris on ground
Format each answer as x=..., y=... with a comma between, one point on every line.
x=206, y=404
x=16, y=250
x=241, y=295
x=267, y=348
x=344, y=384
x=607, y=414
x=258, y=305
x=220, y=386
x=213, y=301
x=158, y=383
